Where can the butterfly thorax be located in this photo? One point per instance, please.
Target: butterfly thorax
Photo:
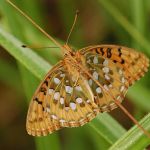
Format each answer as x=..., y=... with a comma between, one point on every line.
x=67, y=50
x=73, y=60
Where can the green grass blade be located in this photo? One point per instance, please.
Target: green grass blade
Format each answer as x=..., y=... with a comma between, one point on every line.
x=106, y=126
x=29, y=59
x=134, y=139
x=98, y=141
x=48, y=142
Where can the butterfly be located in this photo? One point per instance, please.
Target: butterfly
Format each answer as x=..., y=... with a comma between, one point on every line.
x=84, y=83
x=68, y=97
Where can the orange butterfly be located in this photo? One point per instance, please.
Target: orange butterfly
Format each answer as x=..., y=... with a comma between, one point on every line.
x=91, y=80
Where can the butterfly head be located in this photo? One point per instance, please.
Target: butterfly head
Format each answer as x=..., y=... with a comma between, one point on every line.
x=68, y=51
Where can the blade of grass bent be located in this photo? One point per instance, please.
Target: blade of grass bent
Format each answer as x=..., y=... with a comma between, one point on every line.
x=134, y=139
x=108, y=126
x=27, y=57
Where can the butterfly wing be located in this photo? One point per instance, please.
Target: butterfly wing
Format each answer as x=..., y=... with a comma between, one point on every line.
x=133, y=63
x=60, y=101
x=115, y=68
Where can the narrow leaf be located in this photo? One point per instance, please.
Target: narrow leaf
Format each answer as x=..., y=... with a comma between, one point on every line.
x=134, y=138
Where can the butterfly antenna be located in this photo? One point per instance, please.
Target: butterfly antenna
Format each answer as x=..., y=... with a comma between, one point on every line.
x=36, y=47
x=35, y=24
x=74, y=22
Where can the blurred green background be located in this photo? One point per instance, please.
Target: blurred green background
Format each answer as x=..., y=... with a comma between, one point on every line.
x=21, y=70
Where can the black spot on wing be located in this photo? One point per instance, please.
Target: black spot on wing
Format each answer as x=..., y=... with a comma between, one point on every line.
x=122, y=61
x=119, y=51
x=46, y=82
x=102, y=50
x=115, y=61
x=109, y=54
x=43, y=89
x=37, y=100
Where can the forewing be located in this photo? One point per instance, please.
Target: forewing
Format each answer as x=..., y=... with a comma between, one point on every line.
x=133, y=63
x=63, y=99
x=115, y=68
